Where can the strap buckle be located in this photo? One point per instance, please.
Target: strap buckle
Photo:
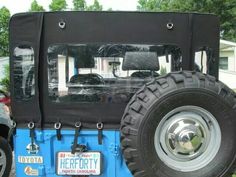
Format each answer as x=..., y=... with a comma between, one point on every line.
x=100, y=128
x=78, y=126
x=57, y=126
x=31, y=127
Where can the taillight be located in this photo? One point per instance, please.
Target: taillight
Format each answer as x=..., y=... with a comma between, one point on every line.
x=5, y=100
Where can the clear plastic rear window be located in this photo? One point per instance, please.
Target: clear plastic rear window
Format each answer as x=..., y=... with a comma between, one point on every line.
x=107, y=72
x=24, y=72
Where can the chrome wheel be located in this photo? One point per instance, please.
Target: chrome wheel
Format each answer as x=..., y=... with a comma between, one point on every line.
x=187, y=138
x=3, y=162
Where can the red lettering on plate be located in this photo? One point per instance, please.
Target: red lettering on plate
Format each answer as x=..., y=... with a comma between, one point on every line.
x=62, y=155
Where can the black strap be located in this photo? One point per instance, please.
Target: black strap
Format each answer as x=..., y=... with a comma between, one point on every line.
x=32, y=133
x=57, y=126
x=100, y=128
x=77, y=130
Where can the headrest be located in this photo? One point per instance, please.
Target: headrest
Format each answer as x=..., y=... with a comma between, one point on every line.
x=140, y=61
x=83, y=56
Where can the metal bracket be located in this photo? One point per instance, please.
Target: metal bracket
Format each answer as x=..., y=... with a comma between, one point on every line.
x=115, y=149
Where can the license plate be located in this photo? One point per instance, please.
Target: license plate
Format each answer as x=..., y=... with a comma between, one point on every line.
x=85, y=163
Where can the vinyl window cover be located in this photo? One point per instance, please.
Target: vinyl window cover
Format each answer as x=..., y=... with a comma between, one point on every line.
x=104, y=72
x=24, y=72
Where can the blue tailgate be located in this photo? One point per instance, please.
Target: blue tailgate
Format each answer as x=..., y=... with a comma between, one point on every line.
x=44, y=163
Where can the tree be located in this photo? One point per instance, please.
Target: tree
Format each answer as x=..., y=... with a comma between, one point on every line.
x=79, y=5
x=225, y=9
x=95, y=6
x=35, y=7
x=5, y=82
x=58, y=5
x=4, y=20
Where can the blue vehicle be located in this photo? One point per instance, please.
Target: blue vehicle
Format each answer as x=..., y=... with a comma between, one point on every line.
x=120, y=94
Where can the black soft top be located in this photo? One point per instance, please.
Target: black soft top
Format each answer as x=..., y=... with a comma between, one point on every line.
x=40, y=30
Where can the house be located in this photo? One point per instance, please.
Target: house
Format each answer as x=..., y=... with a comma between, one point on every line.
x=227, y=65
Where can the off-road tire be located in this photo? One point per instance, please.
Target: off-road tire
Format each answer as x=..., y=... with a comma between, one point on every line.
x=163, y=95
x=6, y=148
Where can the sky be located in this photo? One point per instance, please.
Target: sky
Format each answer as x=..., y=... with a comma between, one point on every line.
x=16, y=6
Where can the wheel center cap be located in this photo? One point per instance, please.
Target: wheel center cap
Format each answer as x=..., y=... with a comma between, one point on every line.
x=185, y=137
x=189, y=140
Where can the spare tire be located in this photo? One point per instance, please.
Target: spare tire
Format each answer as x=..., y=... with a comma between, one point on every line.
x=180, y=125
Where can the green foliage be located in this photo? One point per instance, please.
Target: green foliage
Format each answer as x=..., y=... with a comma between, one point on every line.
x=58, y=5
x=163, y=70
x=4, y=20
x=5, y=82
x=35, y=7
x=95, y=6
x=225, y=9
x=151, y=5
x=79, y=5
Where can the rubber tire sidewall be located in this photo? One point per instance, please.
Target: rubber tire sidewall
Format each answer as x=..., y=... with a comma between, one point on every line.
x=5, y=147
x=209, y=101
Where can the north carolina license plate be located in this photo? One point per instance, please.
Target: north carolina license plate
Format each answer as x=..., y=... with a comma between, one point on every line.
x=85, y=163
